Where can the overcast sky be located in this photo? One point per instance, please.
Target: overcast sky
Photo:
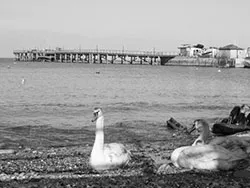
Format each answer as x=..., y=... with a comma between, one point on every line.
x=114, y=24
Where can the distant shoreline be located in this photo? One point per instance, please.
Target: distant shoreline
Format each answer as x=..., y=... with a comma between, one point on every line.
x=6, y=58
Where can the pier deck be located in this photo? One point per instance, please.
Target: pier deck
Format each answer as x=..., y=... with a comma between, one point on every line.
x=96, y=56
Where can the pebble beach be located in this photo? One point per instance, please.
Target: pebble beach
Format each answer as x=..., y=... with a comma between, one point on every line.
x=60, y=163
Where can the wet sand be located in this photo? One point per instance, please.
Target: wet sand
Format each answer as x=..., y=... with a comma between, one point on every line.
x=50, y=157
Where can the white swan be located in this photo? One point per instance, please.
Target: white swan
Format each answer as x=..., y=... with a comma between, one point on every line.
x=106, y=156
x=213, y=156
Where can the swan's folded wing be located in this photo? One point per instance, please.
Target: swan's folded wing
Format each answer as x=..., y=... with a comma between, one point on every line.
x=204, y=153
x=116, y=148
x=208, y=157
x=117, y=153
x=233, y=142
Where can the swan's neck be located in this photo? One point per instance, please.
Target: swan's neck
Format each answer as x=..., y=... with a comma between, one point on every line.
x=205, y=134
x=203, y=138
x=99, y=135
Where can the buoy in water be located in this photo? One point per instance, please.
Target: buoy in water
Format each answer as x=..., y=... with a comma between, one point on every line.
x=219, y=70
x=23, y=81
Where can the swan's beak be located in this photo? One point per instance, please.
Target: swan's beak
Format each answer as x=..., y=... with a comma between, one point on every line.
x=192, y=129
x=95, y=116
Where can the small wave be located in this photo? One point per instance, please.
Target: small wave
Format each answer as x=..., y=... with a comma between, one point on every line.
x=44, y=105
x=63, y=105
x=202, y=107
x=132, y=106
x=145, y=106
x=45, y=135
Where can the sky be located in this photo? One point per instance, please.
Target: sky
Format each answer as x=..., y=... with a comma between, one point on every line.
x=144, y=25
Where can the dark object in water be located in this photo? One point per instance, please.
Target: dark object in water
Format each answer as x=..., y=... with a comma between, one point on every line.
x=173, y=124
x=227, y=129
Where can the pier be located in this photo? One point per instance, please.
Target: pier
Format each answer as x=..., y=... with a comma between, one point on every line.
x=95, y=56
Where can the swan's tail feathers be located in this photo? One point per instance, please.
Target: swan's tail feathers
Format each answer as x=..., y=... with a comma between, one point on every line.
x=170, y=168
x=233, y=165
x=129, y=153
x=129, y=157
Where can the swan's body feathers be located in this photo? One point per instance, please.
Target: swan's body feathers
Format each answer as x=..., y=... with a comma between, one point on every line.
x=209, y=157
x=114, y=155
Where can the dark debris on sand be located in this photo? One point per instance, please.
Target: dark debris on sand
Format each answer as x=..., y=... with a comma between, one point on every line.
x=66, y=164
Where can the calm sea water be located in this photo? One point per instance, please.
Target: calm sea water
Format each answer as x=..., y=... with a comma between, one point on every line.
x=64, y=95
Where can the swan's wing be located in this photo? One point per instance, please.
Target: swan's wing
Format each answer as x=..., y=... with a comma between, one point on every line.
x=209, y=157
x=213, y=152
x=175, y=155
x=117, y=148
x=204, y=153
x=116, y=152
x=233, y=142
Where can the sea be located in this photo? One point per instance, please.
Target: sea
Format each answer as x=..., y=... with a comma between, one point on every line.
x=63, y=95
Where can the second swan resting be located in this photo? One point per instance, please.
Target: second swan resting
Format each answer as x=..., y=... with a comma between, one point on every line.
x=106, y=156
x=220, y=154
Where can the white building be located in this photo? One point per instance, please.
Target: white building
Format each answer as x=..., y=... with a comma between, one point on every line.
x=248, y=52
x=232, y=51
x=210, y=52
x=193, y=51
x=190, y=51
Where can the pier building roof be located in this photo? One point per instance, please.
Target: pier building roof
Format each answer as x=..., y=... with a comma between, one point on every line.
x=230, y=47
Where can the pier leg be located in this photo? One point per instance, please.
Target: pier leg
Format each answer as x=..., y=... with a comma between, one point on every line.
x=80, y=58
x=76, y=58
x=94, y=58
x=60, y=57
x=112, y=59
x=87, y=58
x=91, y=58
x=65, y=58
x=100, y=58
x=141, y=60
x=106, y=58
x=122, y=59
x=70, y=58
x=55, y=57
x=22, y=57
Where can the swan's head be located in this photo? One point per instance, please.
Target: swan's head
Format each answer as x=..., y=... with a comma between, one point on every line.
x=200, y=124
x=97, y=113
x=203, y=128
